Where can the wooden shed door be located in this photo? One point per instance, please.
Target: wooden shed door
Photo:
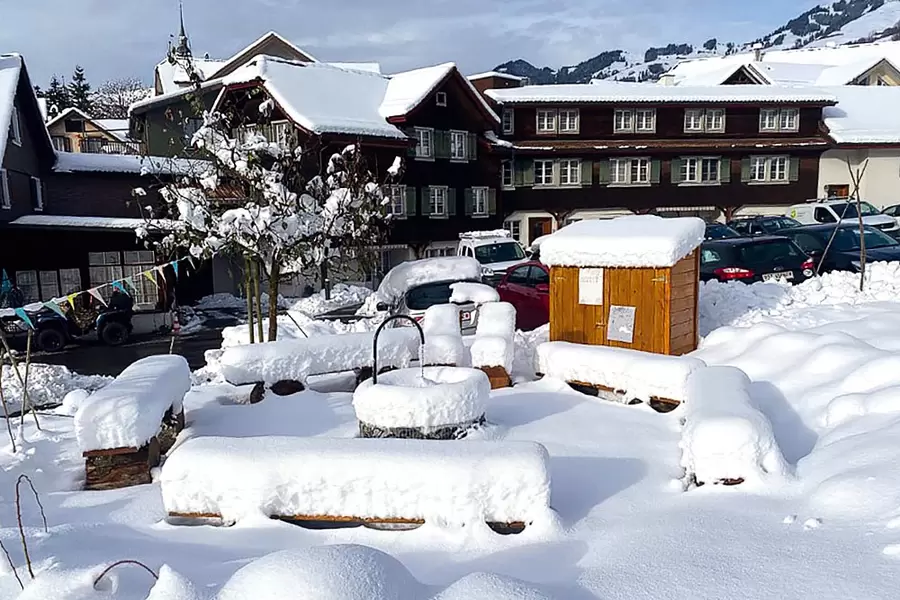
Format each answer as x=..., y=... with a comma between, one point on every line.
x=647, y=290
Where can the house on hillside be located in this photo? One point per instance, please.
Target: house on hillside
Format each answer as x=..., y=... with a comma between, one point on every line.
x=587, y=151
x=73, y=130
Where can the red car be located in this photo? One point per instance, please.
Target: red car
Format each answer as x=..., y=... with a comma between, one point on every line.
x=527, y=287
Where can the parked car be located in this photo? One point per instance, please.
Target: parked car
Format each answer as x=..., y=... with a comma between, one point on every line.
x=527, y=287
x=824, y=212
x=763, y=258
x=718, y=231
x=497, y=251
x=843, y=255
x=759, y=225
x=892, y=211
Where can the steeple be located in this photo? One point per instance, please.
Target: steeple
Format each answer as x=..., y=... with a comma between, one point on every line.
x=183, y=48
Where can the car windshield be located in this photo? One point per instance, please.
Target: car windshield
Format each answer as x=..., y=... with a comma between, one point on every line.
x=428, y=295
x=499, y=252
x=773, y=251
x=778, y=223
x=867, y=210
x=718, y=232
x=848, y=239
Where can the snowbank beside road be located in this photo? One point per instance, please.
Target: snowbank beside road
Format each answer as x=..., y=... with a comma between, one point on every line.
x=47, y=384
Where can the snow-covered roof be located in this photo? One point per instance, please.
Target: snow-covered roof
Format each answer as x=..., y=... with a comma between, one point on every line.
x=633, y=241
x=321, y=98
x=785, y=73
x=81, y=162
x=10, y=67
x=117, y=128
x=174, y=78
x=408, y=275
x=90, y=222
x=487, y=74
x=864, y=115
x=409, y=89
x=175, y=93
x=641, y=92
x=371, y=67
x=246, y=54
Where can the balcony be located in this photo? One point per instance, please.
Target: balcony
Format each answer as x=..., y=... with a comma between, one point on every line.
x=96, y=145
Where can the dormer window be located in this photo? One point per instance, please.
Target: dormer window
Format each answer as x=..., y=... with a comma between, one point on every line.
x=440, y=98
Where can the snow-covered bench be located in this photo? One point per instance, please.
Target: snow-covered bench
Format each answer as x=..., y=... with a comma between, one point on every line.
x=619, y=373
x=443, y=337
x=124, y=427
x=493, y=350
x=291, y=362
x=358, y=480
x=725, y=438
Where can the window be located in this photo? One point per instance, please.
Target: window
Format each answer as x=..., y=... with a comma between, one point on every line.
x=397, y=198
x=27, y=282
x=715, y=120
x=518, y=276
x=514, y=228
x=61, y=143
x=629, y=171
x=440, y=98
x=568, y=120
x=69, y=281
x=769, y=169
x=546, y=121
x=458, y=143
x=5, y=199
x=693, y=119
x=543, y=172
x=645, y=120
x=480, y=204
x=570, y=172
x=15, y=126
x=789, y=119
x=106, y=267
x=437, y=201
x=74, y=126
x=509, y=120
x=506, y=174
x=699, y=120
x=49, y=285
x=425, y=147
x=538, y=276
x=37, y=194
x=436, y=252
x=823, y=215
x=623, y=121
x=779, y=120
x=191, y=126
x=700, y=170
x=628, y=120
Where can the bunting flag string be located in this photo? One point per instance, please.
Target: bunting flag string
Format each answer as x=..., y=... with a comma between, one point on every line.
x=95, y=292
x=20, y=312
x=55, y=308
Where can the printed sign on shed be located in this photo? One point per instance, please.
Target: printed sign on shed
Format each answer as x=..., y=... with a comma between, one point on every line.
x=590, y=287
x=621, y=324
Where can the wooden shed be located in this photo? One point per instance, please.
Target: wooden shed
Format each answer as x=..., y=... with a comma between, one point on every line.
x=631, y=282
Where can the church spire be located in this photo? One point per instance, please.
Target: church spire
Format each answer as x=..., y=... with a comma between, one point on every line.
x=184, y=46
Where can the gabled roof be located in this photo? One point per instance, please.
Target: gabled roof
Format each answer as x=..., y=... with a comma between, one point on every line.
x=255, y=49
x=864, y=115
x=13, y=78
x=497, y=74
x=407, y=90
x=115, y=128
x=173, y=77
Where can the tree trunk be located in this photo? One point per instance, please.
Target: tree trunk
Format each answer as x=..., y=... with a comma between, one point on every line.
x=257, y=294
x=326, y=285
x=274, y=275
x=248, y=289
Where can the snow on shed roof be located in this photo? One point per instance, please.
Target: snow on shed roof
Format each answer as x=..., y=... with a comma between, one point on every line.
x=409, y=89
x=487, y=74
x=66, y=221
x=322, y=98
x=864, y=115
x=408, y=275
x=10, y=67
x=80, y=162
x=633, y=241
x=650, y=93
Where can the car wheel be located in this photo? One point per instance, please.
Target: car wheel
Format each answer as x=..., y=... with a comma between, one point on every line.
x=114, y=334
x=51, y=339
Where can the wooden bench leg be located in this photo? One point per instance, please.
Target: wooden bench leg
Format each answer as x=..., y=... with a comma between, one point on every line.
x=498, y=376
x=108, y=470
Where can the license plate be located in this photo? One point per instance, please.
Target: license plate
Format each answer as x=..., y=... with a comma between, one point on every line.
x=465, y=316
x=788, y=275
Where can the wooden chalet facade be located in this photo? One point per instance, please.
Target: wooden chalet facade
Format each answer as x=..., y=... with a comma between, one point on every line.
x=600, y=150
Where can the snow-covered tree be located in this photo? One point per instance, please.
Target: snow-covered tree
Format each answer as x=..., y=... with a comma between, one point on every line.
x=112, y=98
x=80, y=90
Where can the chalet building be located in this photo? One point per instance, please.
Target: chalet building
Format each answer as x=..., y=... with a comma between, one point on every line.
x=73, y=130
x=585, y=151
x=495, y=80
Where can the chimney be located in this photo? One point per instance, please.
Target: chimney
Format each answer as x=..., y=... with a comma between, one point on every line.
x=758, y=52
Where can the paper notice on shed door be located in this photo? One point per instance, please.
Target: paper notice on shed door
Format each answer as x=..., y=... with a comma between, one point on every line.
x=590, y=287
x=621, y=324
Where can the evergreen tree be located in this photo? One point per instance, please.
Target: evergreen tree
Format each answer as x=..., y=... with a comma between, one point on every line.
x=57, y=96
x=80, y=90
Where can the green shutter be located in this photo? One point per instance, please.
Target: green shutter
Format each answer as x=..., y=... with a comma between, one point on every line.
x=441, y=144
x=426, y=201
x=794, y=174
x=451, y=202
x=470, y=202
x=725, y=170
x=492, y=201
x=655, y=168
x=518, y=173
x=746, y=176
x=413, y=140
x=472, y=150
x=587, y=173
x=528, y=173
x=603, y=170
x=411, y=201
x=676, y=170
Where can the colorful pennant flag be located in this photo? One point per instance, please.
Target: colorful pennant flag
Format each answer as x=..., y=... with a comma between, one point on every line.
x=117, y=285
x=5, y=284
x=174, y=264
x=55, y=308
x=20, y=312
x=193, y=262
x=129, y=281
x=96, y=294
x=149, y=275
x=71, y=299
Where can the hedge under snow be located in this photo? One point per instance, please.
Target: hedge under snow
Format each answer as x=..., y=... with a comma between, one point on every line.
x=299, y=358
x=451, y=482
x=640, y=375
x=725, y=437
x=128, y=412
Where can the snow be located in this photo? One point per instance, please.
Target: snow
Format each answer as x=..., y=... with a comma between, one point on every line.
x=486, y=235
x=489, y=586
x=342, y=295
x=619, y=369
x=423, y=398
x=414, y=273
x=725, y=437
x=128, y=412
x=370, y=67
x=451, y=482
x=495, y=333
x=174, y=79
x=10, y=68
x=633, y=241
x=864, y=115
x=123, y=223
x=322, y=98
x=82, y=162
x=409, y=89
x=498, y=74
x=296, y=359
x=47, y=384
x=476, y=293
x=171, y=585
x=496, y=319
x=443, y=337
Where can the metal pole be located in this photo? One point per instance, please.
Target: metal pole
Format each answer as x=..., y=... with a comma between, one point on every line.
x=378, y=332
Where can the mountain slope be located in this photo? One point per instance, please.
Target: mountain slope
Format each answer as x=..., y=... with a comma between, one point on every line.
x=843, y=22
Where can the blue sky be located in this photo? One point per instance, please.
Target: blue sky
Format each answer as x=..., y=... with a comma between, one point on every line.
x=112, y=38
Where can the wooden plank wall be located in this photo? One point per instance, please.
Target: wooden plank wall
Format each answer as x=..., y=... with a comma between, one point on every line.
x=684, y=294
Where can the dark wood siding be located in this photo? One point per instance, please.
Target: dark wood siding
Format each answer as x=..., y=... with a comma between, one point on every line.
x=97, y=194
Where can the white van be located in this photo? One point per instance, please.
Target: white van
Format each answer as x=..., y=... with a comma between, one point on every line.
x=832, y=210
x=496, y=250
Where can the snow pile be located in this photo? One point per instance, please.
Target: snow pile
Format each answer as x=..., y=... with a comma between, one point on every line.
x=447, y=482
x=222, y=301
x=297, y=326
x=128, y=412
x=639, y=375
x=58, y=584
x=477, y=293
x=443, y=338
x=408, y=275
x=488, y=586
x=297, y=359
x=633, y=241
x=341, y=295
x=485, y=235
x=423, y=398
x=47, y=384
x=725, y=437
x=495, y=335
x=171, y=585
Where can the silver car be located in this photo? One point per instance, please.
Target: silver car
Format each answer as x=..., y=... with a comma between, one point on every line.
x=419, y=298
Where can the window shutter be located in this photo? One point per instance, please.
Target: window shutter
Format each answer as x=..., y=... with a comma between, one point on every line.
x=745, y=170
x=518, y=173
x=603, y=168
x=492, y=201
x=451, y=202
x=725, y=170
x=794, y=174
x=441, y=144
x=470, y=202
x=472, y=150
x=426, y=201
x=529, y=173
x=413, y=141
x=676, y=170
x=5, y=198
x=587, y=173
x=410, y=201
x=655, y=167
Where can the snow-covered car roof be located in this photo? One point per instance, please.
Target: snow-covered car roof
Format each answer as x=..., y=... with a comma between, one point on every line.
x=408, y=275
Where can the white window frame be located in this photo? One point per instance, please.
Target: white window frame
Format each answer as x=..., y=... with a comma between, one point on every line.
x=15, y=126
x=622, y=171
x=5, y=200
x=437, y=196
x=639, y=120
x=33, y=284
x=768, y=168
x=480, y=203
x=769, y=119
x=397, y=200
x=695, y=164
x=550, y=118
x=694, y=120
x=571, y=122
x=506, y=169
x=569, y=172
x=708, y=120
x=543, y=173
x=626, y=116
x=509, y=120
x=514, y=227
x=789, y=113
x=459, y=145
x=425, y=147
x=440, y=99
x=39, y=194
x=779, y=120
